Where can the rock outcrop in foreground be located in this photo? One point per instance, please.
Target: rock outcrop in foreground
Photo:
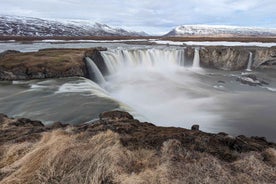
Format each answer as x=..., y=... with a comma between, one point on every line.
x=120, y=149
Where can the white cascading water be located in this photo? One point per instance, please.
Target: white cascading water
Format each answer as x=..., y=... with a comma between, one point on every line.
x=196, y=61
x=147, y=58
x=250, y=61
x=93, y=71
x=156, y=86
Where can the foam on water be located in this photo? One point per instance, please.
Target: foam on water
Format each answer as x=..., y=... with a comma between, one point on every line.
x=82, y=86
x=155, y=84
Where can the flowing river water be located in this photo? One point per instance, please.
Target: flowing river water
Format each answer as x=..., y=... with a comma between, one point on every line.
x=155, y=84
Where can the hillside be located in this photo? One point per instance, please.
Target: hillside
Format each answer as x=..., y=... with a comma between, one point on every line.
x=27, y=26
x=218, y=30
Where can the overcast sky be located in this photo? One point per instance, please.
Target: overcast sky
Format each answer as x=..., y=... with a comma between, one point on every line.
x=152, y=16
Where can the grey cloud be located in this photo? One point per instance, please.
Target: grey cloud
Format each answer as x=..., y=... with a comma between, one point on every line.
x=150, y=15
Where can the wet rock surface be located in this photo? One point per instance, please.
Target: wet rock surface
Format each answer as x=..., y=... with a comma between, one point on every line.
x=251, y=79
x=95, y=55
x=139, y=135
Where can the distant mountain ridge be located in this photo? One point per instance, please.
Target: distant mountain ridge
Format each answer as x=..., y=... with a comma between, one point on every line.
x=28, y=26
x=216, y=30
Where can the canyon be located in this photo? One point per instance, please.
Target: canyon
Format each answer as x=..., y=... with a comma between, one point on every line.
x=121, y=113
x=51, y=63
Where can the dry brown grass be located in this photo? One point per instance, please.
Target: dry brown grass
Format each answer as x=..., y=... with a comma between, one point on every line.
x=64, y=157
x=44, y=57
x=26, y=40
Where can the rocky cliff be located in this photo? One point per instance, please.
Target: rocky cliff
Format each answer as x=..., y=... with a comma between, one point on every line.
x=234, y=58
x=54, y=63
x=46, y=63
x=120, y=149
x=265, y=58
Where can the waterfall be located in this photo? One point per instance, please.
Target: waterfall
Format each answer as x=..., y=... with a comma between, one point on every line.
x=147, y=58
x=250, y=61
x=93, y=71
x=196, y=61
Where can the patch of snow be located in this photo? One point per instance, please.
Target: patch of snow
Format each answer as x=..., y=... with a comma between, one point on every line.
x=220, y=30
x=214, y=43
x=29, y=26
x=96, y=41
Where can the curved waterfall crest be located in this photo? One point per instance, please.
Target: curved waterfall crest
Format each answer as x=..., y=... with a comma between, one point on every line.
x=158, y=58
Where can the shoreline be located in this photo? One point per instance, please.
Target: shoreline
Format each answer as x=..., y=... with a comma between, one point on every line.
x=124, y=147
x=264, y=39
x=124, y=123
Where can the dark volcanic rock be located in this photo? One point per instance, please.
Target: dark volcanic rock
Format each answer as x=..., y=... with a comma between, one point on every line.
x=2, y=117
x=19, y=130
x=26, y=122
x=56, y=125
x=115, y=116
x=96, y=56
x=251, y=79
x=195, y=127
x=137, y=135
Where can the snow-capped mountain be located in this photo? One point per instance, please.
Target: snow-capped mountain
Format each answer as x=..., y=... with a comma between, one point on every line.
x=27, y=26
x=209, y=30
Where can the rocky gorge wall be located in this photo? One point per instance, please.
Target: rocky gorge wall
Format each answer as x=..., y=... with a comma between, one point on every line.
x=234, y=58
x=55, y=63
x=46, y=63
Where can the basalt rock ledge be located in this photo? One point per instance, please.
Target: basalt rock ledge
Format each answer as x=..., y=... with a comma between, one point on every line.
x=46, y=63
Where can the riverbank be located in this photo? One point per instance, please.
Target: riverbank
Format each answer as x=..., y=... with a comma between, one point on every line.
x=264, y=39
x=120, y=149
x=46, y=63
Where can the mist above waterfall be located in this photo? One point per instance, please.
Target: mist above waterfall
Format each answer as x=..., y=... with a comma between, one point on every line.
x=155, y=83
x=160, y=86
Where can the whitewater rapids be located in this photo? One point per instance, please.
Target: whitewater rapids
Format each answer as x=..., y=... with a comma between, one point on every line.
x=159, y=85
